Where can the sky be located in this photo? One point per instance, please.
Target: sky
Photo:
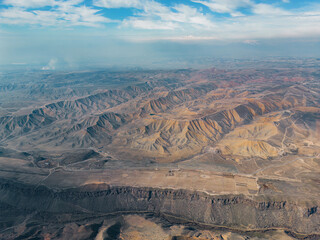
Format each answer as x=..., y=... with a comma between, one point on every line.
x=57, y=33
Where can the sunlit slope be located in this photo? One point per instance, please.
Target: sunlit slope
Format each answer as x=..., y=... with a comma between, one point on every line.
x=173, y=118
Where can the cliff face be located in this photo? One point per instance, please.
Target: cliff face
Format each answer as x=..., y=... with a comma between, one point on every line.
x=234, y=211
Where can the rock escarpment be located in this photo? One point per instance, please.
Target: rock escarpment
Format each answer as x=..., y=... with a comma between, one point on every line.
x=232, y=211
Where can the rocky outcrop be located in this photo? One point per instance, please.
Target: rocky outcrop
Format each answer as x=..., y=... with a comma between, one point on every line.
x=233, y=211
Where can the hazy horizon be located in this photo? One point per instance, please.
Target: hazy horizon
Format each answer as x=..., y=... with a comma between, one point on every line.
x=57, y=34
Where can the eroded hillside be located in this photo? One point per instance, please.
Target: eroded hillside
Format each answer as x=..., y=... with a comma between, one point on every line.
x=174, y=116
x=248, y=134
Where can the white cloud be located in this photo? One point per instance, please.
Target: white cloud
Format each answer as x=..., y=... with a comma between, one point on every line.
x=51, y=65
x=154, y=15
x=84, y=16
x=255, y=27
x=271, y=26
x=149, y=24
x=232, y=7
x=186, y=14
x=19, y=16
x=67, y=13
x=185, y=21
x=269, y=10
x=29, y=3
x=118, y=3
x=186, y=38
x=225, y=6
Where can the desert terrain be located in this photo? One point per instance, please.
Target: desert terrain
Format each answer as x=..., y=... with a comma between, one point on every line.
x=219, y=153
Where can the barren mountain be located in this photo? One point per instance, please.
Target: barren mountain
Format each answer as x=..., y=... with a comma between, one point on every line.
x=225, y=139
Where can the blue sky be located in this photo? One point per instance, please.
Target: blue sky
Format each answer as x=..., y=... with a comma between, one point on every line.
x=42, y=30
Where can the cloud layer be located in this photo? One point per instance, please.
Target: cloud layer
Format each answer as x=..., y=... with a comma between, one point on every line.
x=57, y=13
x=192, y=20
